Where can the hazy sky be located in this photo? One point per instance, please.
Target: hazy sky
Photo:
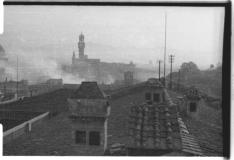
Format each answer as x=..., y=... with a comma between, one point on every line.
x=113, y=34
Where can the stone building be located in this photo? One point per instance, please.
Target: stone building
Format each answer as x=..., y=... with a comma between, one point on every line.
x=12, y=87
x=89, y=111
x=155, y=92
x=93, y=69
x=3, y=62
x=128, y=78
x=83, y=66
x=55, y=82
x=192, y=102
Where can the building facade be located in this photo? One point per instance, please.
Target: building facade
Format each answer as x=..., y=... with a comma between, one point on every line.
x=91, y=69
x=86, y=68
x=89, y=111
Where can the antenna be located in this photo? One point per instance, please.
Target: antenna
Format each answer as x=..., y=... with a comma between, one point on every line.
x=165, y=49
x=17, y=76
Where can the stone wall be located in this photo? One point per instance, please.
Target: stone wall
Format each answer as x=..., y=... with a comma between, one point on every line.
x=23, y=128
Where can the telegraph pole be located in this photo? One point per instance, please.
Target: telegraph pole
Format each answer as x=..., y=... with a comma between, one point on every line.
x=165, y=49
x=178, y=83
x=159, y=69
x=171, y=60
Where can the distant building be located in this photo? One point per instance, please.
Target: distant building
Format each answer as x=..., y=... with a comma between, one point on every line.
x=89, y=111
x=85, y=67
x=93, y=69
x=12, y=87
x=55, y=82
x=3, y=61
x=128, y=78
x=48, y=86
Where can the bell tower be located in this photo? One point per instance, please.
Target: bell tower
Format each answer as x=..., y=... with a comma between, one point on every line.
x=81, y=46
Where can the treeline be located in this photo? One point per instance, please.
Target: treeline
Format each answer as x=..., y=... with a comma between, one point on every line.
x=207, y=81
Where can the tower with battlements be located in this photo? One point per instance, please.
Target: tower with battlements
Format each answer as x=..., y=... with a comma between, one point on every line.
x=91, y=69
x=81, y=47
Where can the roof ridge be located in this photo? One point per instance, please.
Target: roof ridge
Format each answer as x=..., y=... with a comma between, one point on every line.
x=88, y=90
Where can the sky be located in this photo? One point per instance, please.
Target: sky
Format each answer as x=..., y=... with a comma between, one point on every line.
x=43, y=36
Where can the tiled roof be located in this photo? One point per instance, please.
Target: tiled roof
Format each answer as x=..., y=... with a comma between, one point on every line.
x=88, y=90
x=207, y=130
x=153, y=82
x=154, y=127
x=189, y=142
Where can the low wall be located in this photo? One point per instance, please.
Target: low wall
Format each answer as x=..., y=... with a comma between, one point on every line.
x=18, y=115
x=9, y=101
x=23, y=128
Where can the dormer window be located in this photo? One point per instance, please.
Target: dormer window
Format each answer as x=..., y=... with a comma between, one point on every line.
x=156, y=97
x=80, y=137
x=193, y=107
x=94, y=138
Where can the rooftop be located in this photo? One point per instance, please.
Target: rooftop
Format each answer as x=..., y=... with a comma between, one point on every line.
x=88, y=90
x=55, y=101
x=154, y=127
x=207, y=130
x=53, y=136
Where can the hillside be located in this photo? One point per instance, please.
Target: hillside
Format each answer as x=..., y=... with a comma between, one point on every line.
x=208, y=81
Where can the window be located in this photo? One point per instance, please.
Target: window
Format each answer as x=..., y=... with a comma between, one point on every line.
x=156, y=97
x=148, y=96
x=94, y=138
x=193, y=107
x=80, y=137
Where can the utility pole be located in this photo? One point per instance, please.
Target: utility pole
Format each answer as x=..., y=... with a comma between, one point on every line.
x=165, y=49
x=178, y=83
x=171, y=60
x=159, y=69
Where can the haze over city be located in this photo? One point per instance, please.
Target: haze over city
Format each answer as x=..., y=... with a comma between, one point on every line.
x=44, y=37
x=113, y=80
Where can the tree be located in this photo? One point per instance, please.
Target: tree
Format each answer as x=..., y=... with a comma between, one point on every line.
x=211, y=66
x=189, y=67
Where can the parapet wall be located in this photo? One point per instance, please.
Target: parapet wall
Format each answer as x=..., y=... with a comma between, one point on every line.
x=23, y=128
x=18, y=115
